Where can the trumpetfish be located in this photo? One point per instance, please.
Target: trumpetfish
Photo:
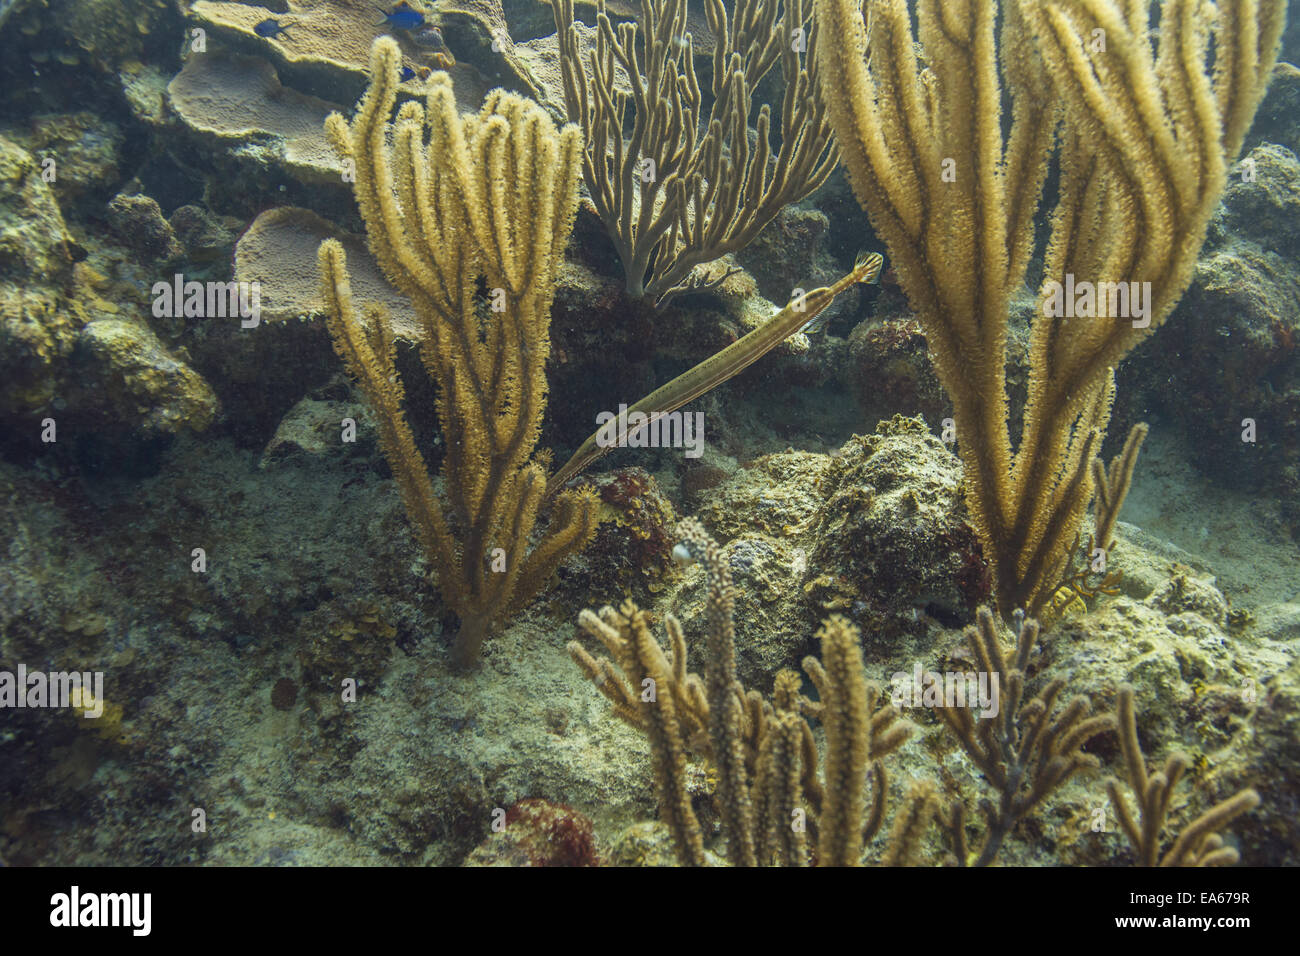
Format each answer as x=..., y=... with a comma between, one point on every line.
x=799, y=314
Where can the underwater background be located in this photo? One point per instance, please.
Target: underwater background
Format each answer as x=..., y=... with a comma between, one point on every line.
x=216, y=512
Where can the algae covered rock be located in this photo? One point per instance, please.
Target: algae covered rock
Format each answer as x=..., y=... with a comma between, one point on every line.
x=647, y=843
x=875, y=532
x=1278, y=118
x=84, y=149
x=95, y=33
x=321, y=429
x=139, y=223
x=145, y=88
x=891, y=539
x=139, y=384
x=1186, y=594
x=536, y=832
x=769, y=616
x=70, y=360
x=1272, y=837
x=34, y=239
x=205, y=237
x=37, y=334
x=761, y=515
x=888, y=366
x=787, y=254
x=774, y=495
x=1225, y=696
x=1261, y=202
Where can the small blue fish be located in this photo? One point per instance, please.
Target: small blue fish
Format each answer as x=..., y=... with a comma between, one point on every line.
x=407, y=74
x=270, y=28
x=402, y=17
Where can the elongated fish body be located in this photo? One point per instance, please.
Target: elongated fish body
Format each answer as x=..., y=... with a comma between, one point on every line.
x=716, y=369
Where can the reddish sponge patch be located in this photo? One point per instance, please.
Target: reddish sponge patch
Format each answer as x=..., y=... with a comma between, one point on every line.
x=634, y=539
x=551, y=834
x=974, y=576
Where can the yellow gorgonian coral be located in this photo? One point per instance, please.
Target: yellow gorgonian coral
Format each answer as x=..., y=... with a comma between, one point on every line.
x=450, y=202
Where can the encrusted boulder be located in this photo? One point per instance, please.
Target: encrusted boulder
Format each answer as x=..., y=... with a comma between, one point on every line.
x=889, y=368
x=138, y=222
x=787, y=254
x=770, y=628
x=890, y=537
x=1278, y=118
x=1218, y=687
x=1270, y=838
x=37, y=334
x=630, y=555
x=317, y=431
x=34, y=240
x=83, y=150
x=875, y=532
x=137, y=384
x=206, y=238
x=1262, y=202
x=95, y=34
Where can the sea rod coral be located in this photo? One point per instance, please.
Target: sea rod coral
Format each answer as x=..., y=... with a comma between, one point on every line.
x=771, y=796
x=488, y=197
x=672, y=197
x=1143, y=135
x=1200, y=842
